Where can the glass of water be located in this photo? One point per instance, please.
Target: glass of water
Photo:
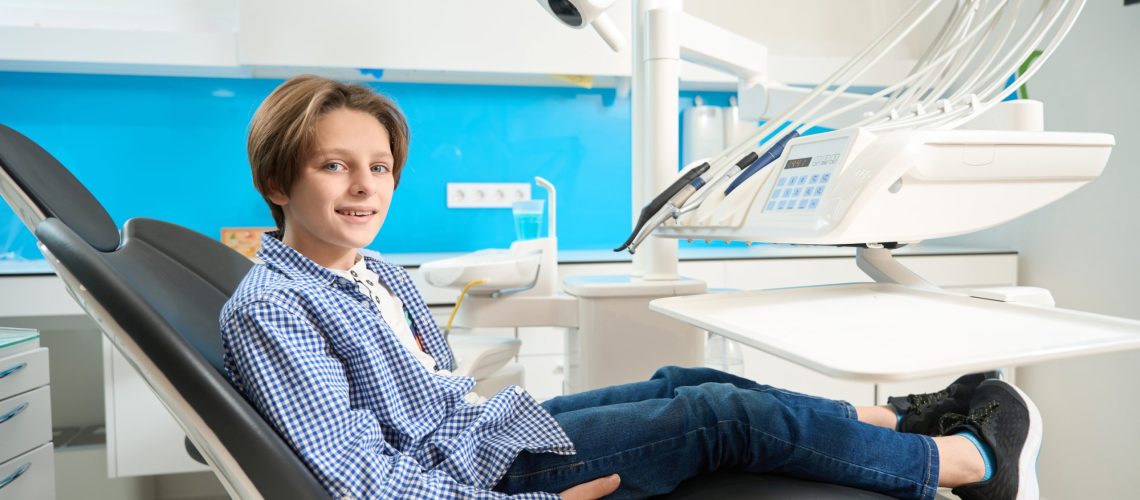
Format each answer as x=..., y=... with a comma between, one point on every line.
x=528, y=218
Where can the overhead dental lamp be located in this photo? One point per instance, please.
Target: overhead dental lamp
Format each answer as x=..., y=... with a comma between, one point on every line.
x=578, y=14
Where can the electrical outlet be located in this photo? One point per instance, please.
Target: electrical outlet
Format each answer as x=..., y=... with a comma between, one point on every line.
x=486, y=194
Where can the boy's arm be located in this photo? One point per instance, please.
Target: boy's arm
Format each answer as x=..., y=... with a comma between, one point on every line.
x=286, y=371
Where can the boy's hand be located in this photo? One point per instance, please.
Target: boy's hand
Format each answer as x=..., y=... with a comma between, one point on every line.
x=597, y=488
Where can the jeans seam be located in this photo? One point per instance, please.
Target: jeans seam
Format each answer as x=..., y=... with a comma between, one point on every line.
x=929, y=491
x=544, y=471
x=836, y=459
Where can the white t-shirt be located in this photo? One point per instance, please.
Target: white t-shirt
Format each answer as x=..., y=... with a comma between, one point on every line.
x=392, y=310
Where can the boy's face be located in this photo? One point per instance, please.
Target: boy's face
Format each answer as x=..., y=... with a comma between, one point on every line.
x=341, y=195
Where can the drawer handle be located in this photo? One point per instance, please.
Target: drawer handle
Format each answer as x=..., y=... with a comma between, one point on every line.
x=15, y=475
x=15, y=411
x=12, y=370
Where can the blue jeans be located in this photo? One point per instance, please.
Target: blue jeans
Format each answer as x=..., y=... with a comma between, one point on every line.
x=685, y=422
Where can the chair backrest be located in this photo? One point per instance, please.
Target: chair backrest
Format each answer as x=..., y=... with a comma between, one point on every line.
x=158, y=297
x=37, y=186
x=193, y=314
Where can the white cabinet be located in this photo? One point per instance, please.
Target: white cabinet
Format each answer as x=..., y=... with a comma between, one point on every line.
x=30, y=475
x=457, y=41
x=488, y=36
x=142, y=438
x=172, y=37
x=26, y=466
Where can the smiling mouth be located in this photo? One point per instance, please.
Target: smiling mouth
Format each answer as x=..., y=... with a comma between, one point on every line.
x=356, y=213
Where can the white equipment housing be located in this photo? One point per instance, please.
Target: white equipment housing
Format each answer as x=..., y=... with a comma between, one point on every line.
x=498, y=270
x=854, y=187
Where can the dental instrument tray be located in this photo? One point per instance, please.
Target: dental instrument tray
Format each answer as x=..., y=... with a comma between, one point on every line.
x=500, y=270
x=887, y=332
x=858, y=186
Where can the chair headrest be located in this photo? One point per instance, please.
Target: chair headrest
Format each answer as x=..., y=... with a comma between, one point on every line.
x=57, y=193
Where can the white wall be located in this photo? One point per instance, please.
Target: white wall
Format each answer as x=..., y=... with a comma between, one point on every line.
x=1084, y=249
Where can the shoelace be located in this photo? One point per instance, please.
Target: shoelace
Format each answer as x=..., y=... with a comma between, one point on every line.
x=920, y=402
x=976, y=418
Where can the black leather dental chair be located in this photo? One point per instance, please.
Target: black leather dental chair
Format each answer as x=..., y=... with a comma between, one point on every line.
x=157, y=297
x=156, y=292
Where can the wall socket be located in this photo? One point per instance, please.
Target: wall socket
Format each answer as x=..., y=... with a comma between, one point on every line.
x=486, y=194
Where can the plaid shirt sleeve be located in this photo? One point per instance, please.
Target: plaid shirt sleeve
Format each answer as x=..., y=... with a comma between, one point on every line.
x=282, y=363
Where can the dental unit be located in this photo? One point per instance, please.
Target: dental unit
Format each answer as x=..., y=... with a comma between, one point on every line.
x=916, y=146
x=936, y=154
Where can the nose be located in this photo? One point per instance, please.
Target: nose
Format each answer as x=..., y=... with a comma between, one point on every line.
x=362, y=182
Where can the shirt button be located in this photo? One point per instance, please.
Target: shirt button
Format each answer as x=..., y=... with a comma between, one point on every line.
x=518, y=390
x=352, y=273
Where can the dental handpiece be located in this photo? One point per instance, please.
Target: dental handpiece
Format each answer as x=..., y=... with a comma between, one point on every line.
x=669, y=210
x=684, y=187
x=740, y=165
x=764, y=160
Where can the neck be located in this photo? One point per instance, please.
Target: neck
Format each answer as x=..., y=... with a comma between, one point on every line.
x=330, y=257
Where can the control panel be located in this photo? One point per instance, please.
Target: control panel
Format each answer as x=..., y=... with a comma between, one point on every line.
x=807, y=170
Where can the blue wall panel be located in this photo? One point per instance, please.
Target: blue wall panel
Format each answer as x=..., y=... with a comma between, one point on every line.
x=174, y=149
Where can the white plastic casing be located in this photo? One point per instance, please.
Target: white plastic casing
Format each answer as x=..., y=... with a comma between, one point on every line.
x=903, y=186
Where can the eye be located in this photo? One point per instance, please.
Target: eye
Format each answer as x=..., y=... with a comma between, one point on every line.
x=380, y=168
x=333, y=166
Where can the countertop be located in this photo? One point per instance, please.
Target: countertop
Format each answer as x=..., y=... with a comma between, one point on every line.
x=38, y=267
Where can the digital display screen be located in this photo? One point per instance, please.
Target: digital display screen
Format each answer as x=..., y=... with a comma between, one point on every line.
x=798, y=162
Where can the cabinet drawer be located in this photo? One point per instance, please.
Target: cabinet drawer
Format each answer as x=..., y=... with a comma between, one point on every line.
x=25, y=422
x=31, y=475
x=23, y=372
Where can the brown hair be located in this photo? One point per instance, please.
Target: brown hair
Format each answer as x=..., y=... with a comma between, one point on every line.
x=282, y=134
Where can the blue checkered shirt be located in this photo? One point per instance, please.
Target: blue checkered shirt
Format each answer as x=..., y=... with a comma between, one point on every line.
x=317, y=360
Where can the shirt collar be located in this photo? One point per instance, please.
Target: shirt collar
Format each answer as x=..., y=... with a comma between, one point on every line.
x=285, y=259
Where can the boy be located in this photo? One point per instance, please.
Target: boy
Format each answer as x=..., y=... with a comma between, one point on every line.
x=337, y=350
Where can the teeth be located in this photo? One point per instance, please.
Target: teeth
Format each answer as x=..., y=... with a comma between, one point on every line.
x=355, y=213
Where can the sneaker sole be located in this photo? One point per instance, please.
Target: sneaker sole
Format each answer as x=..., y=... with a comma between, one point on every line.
x=1027, y=487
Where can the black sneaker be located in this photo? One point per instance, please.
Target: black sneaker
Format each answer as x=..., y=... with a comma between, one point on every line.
x=921, y=412
x=1008, y=422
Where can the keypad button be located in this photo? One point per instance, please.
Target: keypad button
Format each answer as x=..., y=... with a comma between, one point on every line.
x=776, y=193
x=814, y=179
x=771, y=205
x=825, y=178
x=783, y=203
x=803, y=204
x=813, y=203
x=819, y=190
x=797, y=191
x=782, y=181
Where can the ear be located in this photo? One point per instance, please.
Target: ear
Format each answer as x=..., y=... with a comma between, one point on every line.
x=277, y=196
